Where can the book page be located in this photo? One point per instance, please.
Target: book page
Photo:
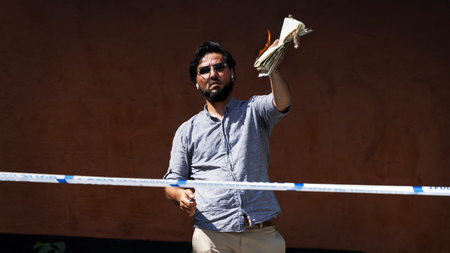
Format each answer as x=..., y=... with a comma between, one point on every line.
x=267, y=53
x=268, y=60
x=289, y=25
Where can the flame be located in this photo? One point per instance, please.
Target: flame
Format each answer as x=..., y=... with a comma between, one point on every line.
x=267, y=44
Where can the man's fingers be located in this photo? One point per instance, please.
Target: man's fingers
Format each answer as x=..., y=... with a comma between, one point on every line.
x=187, y=202
x=189, y=208
x=275, y=43
x=190, y=194
x=280, y=60
x=191, y=211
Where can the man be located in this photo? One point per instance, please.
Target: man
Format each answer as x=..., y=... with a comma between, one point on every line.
x=228, y=141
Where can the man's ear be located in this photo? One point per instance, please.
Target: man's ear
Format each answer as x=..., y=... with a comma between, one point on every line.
x=233, y=75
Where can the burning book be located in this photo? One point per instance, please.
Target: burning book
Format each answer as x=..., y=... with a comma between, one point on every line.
x=292, y=29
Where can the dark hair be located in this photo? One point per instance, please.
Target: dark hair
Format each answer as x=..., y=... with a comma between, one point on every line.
x=202, y=50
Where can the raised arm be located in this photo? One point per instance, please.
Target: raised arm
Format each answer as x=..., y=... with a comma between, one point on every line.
x=280, y=86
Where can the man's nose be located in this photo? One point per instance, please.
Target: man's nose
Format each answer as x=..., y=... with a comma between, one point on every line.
x=212, y=72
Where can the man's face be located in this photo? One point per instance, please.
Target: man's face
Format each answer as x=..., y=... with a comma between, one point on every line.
x=214, y=80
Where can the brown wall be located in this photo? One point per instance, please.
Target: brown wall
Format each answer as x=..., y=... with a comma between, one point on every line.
x=99, y=87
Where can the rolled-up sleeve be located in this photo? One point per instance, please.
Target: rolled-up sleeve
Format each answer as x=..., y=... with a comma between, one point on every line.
x=267, y=111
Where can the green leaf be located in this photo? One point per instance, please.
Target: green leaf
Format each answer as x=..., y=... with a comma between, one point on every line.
x=61, y=246
x=38, y=244
x=46, y=248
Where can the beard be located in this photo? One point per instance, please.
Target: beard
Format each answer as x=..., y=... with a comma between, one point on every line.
x=217, y=95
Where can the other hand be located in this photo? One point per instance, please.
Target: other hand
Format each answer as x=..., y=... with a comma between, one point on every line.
x=187, y=202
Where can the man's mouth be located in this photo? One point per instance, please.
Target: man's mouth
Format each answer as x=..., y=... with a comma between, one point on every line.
x=215, y=84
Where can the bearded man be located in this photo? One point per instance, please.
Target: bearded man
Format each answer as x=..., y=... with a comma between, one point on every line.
x=228, y=141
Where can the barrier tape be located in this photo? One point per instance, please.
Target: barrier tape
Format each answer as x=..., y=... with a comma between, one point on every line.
x=338, y=188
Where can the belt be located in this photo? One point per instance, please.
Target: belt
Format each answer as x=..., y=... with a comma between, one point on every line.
x=268, y=223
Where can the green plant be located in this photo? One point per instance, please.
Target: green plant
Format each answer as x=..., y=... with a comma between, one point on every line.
x=59, y=247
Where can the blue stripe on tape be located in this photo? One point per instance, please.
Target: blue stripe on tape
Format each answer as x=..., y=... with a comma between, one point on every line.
x=417, y=188
x=63, y=181
x=297, y=186
x=178, y=183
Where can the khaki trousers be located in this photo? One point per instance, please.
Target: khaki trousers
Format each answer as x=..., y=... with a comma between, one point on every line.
x=252, y=240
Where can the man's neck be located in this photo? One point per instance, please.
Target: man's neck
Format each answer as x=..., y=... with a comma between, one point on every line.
x=217, y=109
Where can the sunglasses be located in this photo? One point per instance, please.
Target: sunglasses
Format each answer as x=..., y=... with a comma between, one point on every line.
x=217, y=67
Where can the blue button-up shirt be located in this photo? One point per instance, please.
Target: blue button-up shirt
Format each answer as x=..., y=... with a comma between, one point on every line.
x=235, y=149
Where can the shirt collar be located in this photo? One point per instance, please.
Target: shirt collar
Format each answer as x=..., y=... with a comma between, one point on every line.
x=230, y=105
x=228, y=108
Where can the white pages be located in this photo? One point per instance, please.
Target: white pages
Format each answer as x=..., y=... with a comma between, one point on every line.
x=268, y=60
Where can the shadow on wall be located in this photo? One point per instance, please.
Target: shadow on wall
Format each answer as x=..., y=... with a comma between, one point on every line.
x=20, y=243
